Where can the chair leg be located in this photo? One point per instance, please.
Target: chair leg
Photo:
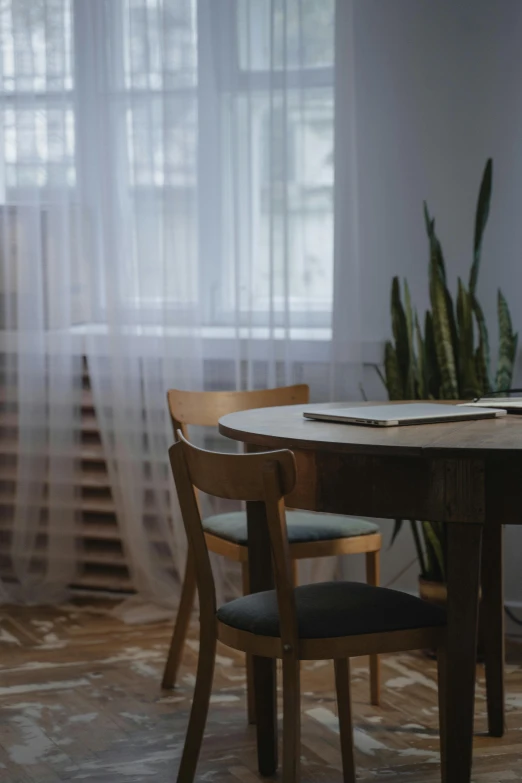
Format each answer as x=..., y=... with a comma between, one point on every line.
x=295, y=572
x=186, y=603
x=373, y=578
x=291, y=719
x=200, y=702
x=251, y=704
x=441, y=666
x=344, y=708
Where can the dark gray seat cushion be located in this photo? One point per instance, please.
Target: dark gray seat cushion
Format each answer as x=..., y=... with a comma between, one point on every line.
x=334, y=609
x=302, y=526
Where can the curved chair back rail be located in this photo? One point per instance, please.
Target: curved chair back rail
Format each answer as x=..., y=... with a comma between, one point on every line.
x=204, y=409
x=235, y=476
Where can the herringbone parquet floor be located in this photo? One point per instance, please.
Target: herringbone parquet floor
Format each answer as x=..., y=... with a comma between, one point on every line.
x=80, y=701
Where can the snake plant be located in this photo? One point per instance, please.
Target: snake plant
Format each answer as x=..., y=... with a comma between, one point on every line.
x=448, y=356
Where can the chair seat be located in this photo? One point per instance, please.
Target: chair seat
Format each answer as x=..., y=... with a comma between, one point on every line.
x=302, y=526
x=331, y=609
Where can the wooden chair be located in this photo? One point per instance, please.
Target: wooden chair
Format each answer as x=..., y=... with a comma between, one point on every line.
x=335, y=620
x=310, y=535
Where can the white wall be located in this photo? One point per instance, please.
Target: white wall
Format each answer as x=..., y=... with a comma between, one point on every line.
x=438, y=91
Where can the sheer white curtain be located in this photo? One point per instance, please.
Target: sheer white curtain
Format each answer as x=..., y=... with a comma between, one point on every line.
x=40, y=251
x=168, y=191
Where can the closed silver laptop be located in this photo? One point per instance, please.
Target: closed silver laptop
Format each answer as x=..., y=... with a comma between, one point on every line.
x=402, y=414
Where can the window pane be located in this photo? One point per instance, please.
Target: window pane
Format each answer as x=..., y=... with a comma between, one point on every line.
x=161, y=145
x=159, y=44
x=38, y=144
x=36, y=77
x=279, y=235
x=163, y=265
x=161, y=140
x=35, y=46
x=285, y=34
x=296, y=215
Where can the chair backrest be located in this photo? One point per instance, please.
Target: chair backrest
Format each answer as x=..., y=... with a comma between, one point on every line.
x=206, y=408
x=264, y=477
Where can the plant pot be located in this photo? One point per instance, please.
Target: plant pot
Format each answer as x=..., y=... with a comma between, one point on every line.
x=434, y=592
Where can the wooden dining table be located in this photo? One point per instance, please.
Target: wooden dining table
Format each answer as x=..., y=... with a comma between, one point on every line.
x=467, y=474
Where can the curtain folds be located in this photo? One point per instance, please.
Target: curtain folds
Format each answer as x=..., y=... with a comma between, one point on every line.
x=167, y=220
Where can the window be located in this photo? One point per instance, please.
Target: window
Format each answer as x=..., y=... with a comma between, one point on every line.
x=218, y=150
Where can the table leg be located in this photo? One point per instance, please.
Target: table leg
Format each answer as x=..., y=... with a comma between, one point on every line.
x=492, y=625
x=264, y=669
x=464, y=549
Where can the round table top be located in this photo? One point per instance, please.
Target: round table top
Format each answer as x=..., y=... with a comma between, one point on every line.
x=285, y=427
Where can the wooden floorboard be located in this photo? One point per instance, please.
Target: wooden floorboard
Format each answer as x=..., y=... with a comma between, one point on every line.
x=80, y=701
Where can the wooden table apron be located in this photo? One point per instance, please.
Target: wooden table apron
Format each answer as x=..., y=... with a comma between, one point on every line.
x=476, y=492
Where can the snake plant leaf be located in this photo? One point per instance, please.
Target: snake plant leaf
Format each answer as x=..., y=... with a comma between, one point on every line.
x=400, y=333
x=430, y=563
x=430, y=224
x=381, y=376
x=507, y=347
x=440, y=259
x=484, y=357
x=469, y=386
x=480, y=370
x=514, y=352
x=396, y=530
x=438, y=269
x=453, y=328
x=394, y=383
x=481, y=218
x=422, y=378
x=409, y=386
x=418, y=548
x=430, y=358
x=449, y=389
x=434, y=547
x=437, y=264
x=441, y=530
